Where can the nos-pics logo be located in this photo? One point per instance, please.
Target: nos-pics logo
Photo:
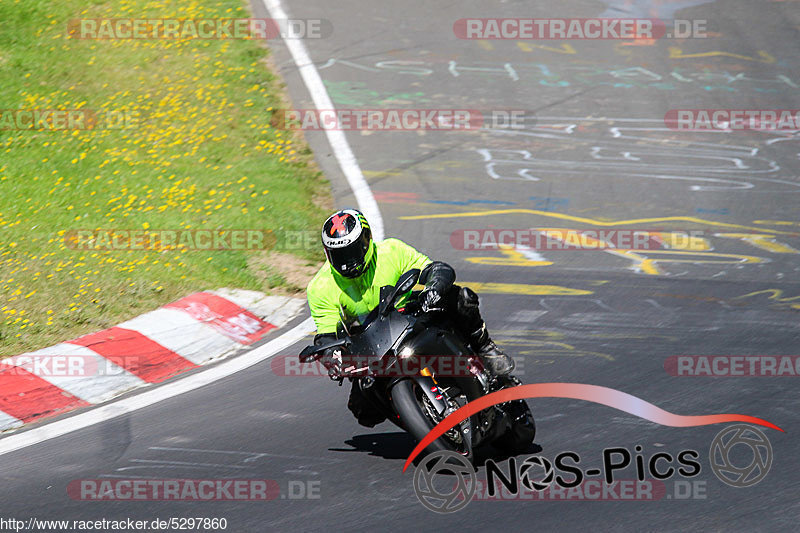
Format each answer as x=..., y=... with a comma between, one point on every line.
x=723, y=455
x=445, y=481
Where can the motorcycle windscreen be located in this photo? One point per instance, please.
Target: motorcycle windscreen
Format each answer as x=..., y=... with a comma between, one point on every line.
x=381, y=334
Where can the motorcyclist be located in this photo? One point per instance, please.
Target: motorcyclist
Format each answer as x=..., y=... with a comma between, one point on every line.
x=356, y=269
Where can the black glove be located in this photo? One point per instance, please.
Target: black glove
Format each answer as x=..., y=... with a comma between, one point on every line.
x=438, y=278
x=332, y=360
x=332, y=357
x=431, y=300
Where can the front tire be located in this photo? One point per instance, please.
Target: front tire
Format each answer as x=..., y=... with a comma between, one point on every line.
x=408, y=401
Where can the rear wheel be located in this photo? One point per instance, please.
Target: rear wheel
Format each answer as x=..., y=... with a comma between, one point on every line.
x=522, y=429
x=419, y=416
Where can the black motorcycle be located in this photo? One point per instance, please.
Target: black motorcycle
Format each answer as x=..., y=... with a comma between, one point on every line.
x=390, y=342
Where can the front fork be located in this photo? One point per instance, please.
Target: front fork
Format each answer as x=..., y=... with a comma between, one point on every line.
x=444, y=408
x=431, y=391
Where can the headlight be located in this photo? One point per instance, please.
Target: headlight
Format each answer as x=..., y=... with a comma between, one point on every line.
x=407, y=351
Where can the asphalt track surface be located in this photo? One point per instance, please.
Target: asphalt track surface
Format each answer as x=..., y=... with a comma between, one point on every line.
x=600, y=151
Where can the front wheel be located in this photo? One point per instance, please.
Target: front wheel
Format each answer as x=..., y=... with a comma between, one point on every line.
x=418, y=417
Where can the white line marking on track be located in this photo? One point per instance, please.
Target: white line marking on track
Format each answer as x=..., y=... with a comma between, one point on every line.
x=145, y=399
x=336, y=138
x=366, y=203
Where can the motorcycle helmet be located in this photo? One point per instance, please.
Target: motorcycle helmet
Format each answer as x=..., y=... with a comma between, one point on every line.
x=347, y=240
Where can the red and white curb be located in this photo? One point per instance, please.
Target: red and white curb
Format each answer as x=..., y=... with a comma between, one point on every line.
x=151, y=348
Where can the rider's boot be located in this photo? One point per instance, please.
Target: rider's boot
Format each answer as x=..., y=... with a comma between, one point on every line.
x=498, y=363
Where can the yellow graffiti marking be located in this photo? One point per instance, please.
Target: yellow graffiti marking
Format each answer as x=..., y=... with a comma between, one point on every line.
x=775, y=294
x=543, y=348
x=777, y=222
x=528, y=342
x=486, y=45
x=565, y=48
x=592, y=221
x=648, y=265
x=640, y=41
x=765, y=242
x=631, y=336
x=555, y=349
x=381, y=173
x=523, y=289
x=643, y=261
x=677, y=53
x=545, y=333
x=679, y=240
x=511, y=257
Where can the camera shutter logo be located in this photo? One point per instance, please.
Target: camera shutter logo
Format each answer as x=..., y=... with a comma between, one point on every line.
x=720, y=456
x=525, y=475
x=453, y=469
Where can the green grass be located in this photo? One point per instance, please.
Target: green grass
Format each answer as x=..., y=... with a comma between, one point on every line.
x=201, y=155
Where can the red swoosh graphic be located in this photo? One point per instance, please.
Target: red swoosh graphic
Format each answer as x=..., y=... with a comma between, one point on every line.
x=580, y=391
